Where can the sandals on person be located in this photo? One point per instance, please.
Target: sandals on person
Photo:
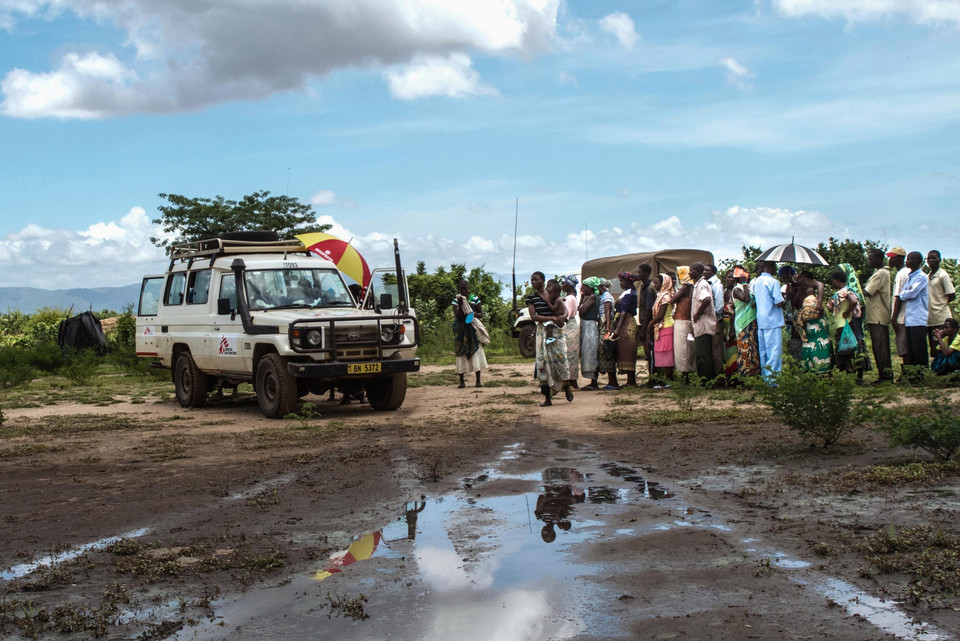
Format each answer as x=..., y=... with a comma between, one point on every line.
x=589, y=388
x=611, y=387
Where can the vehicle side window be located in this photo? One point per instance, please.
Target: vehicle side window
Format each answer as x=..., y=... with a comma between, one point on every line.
x=198, y=291
x=175, y=285
x=150, y=296
x=228, y=289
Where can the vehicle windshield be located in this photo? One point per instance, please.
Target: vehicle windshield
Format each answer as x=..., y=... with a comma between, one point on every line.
x=291, y=288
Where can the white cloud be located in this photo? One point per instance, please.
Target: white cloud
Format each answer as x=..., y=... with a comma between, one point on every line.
x=621, y=25
x=452, y=76
x=108, y=253
x=568, y=79
x=81, y=87
x=187, y=55
x=737, y=75
x=921, y=11
x=323, y=198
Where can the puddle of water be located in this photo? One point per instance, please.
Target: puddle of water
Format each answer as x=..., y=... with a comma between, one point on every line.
x=22, y=570
x=461, y=565
x=885, y=615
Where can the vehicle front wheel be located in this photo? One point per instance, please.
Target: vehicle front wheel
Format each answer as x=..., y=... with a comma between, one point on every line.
x=528, y=341
x=189, y=382
x=387, y=392
x=276, y=388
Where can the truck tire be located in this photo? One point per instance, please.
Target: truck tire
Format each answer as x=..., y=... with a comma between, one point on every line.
x=189, y=382
x=387, y=392
x=276, y=388
x=528, y=340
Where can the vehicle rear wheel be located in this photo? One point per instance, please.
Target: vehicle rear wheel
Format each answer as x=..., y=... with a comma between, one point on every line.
x=189, y=382
x=528, y=341
x=276, y=388
x=387, y=392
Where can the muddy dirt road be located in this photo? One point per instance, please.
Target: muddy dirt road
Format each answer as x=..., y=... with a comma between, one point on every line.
x=467, y=514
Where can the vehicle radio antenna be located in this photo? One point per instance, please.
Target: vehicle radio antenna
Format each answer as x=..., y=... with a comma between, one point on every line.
x=516, y=226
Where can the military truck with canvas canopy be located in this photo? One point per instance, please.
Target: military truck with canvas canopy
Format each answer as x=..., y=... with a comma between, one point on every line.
x=270, y=312
x=661, y=261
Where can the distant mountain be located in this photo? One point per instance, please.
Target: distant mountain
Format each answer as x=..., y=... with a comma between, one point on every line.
x=30, y=299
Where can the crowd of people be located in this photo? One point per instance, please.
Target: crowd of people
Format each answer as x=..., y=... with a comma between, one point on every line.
x=698, y=322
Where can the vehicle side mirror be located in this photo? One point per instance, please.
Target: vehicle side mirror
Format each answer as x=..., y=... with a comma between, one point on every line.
x=386, y=301
x=223, y=306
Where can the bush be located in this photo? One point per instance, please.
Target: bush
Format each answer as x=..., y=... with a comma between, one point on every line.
x=933, y=426
x=815, y=406
x=81, y=366
x=15, y=369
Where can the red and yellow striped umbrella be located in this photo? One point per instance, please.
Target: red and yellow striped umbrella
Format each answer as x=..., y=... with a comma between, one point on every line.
x=360, y=550
x=341, y=253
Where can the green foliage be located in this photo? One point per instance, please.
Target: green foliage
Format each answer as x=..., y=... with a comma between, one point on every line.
x=197, y=218
x=748, y=259
x=849, y=251
x=817, y=407
x=951, y=266
x=81, y=366
x=932, y=426
x=15, y=368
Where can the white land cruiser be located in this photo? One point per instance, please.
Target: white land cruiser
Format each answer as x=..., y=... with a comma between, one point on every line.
x=272, y=313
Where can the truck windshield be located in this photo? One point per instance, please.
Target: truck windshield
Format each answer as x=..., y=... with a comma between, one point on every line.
x=291, y=288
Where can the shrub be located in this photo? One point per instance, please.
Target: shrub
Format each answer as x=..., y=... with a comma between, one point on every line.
x=81, y=366
x=15, y=369
x=933, y=426
x=817, y=407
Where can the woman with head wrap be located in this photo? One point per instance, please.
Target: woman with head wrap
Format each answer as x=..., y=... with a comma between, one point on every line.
x=589, y=312
x=847, y=309
x=682, y=301
x=547, y=311
x=812, y=326
x=607, y=353
x=571, y=330
x=730, y=350
x=660, y=331
x=625, y=329
x=467, y=343
x=745, y=325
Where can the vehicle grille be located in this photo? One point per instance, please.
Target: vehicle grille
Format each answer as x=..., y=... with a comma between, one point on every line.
x=357, y=343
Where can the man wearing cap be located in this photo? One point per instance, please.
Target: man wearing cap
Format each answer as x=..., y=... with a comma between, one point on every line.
x=914, y=300
x=941, y=294
x=766, y=292
x=897, y=255
x=877, y=317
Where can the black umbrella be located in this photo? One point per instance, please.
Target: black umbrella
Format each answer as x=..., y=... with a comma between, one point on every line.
x=792, y=253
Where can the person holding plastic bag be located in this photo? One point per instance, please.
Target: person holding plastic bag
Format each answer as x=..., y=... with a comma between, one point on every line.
x=469, y=333
x=847, y=313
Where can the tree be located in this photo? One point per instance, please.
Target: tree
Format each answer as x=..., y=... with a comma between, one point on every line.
x=193, y=219
x=434, y=293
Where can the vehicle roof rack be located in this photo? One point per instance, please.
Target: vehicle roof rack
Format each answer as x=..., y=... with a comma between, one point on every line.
x=216, y=247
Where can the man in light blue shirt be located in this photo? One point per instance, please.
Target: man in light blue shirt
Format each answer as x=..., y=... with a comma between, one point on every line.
x=766, y=290
x=914, y=298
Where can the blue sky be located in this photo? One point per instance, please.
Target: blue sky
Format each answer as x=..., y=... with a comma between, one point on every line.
x=619, y=126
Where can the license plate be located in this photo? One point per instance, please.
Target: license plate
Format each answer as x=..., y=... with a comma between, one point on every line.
x=363, y=368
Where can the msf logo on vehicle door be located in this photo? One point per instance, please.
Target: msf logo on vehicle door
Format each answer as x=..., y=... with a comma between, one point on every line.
x=227, y=346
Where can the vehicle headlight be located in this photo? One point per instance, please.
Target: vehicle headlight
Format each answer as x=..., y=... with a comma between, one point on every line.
x=386, y=334
x=314, y=338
